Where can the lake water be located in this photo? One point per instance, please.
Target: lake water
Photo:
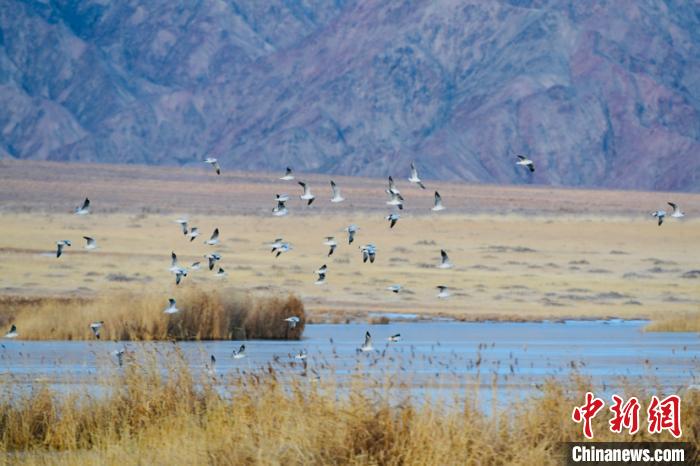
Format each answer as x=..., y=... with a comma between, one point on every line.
x=432, y=356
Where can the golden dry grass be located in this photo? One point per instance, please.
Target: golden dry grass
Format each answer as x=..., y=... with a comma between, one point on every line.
x=153, y=417
x=204, y=315
x=520, y=253
x=675, y=322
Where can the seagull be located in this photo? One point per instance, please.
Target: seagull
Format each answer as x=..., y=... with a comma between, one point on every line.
x=83, y=209
x=367, y=345
x=321, y=272
x=393, y=218
x=445, y=261
x=95, y=327
x=282, y=197
x=336, y=193
x=281, y=209
x=284, y=247
x=195, y=265
x=276, y=244
x=443, y=292
x=60, y=245
x=307, y=196
x=240, y=354
x=301, y=354
x=179, y=274
x=392, y=187
x=292, y=321
x=221, y=273
x=524, y=161
x=171, y=309
x=414, y=176
x=394, y=288
x=211, y=367
x=91, y=243
x=214, y=238
x=395, y=200
x=194, y=232
x=351, y=229
x=331, y=243
x=174, y=265
x=438, y=203
x=214, y=163
x=287, y=175
x=120, y=355
x=183, y=224
x=212, y=258
x=676, y=211
x=660, y=214
x=12, y=333
x=368, y=252
x=394, y=338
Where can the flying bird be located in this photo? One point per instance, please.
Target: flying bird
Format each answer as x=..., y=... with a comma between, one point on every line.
x=443, y=292
x=526, y=162
x=12, y=333
x=414, y=176
x=676, y=211
x=221, y=273
x=282, y=197
x=393, y=218
x=195, y=265
x=292, y=321
x=214, y=239
x=90, y=243
x=367, y=345
x=212, y=258
x=83, y=209
x=287, y=175
x=352, y=230
x=306, y=196
x=301, y=354
x=95, y=327
x=438, y=203
x=396, y=200
x=394, y=288
x=60, y=244
x=331, y=243
x=394, y=338
x=369, y=251
x=392, y=189
x=172, y=308
x=321, y=272
x=179, y=274
x=280, y=209
x=119, y=355
x=211, y=367
x=214, y=163
x=194, y=232
x=240, y=354
x=183, y=224
x=284, y=247
x=336, y=193
x=276, y=244
x=660, y=214
x=445, y=260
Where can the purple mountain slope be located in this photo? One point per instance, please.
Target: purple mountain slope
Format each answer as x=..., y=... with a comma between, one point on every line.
x=600, y=93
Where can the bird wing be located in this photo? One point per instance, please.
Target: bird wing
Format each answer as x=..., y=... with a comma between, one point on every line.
x=334, y=189
x=86, y=204
x=215, y=235
x=521, y=157
x=443, y=254
x=438, y=199
x=173, y=259
x=368, y=338
x=674, y=206
x=414, y=172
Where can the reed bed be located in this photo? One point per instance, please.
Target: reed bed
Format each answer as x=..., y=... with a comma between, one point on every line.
x=676, y=322
x=204, y=315
x=169, y=415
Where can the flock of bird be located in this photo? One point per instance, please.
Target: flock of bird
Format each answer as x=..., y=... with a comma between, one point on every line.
x=279, y=246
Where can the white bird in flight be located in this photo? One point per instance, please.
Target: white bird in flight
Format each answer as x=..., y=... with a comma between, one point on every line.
x=195, y=266
x=301, y=354
x=287, y=175
x=369, y=251
x=437, y=206
x=194, y=232
x=90, y=243
x=60, y=244
x=212, y=258
x=660, y=214
x=392, y=187
x=84, y=208
x=414, y=176
x=393, y=218
x=396, y=200
x=331, y=243
x=676, y=211
x=172, y=308
x=280, y=209
x=292, y=321
x=95, y=327
x=306, y=196
x=443, y=292
x=394, y=338
x=221, y=273
x=183, y=224
x=444, y=261
x=12, y=333
x=526, y=162
x=367, y=345
x=394, y=288
x=240, y=354
x=336, y=193
x=214, y=163
x=284, y=247
x=214, y=239
x=352, y=230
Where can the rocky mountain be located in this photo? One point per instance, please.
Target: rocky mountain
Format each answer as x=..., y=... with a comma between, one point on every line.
x=598, y=93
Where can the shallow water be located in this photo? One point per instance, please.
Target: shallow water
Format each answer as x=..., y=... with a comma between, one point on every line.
x=432, y=358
